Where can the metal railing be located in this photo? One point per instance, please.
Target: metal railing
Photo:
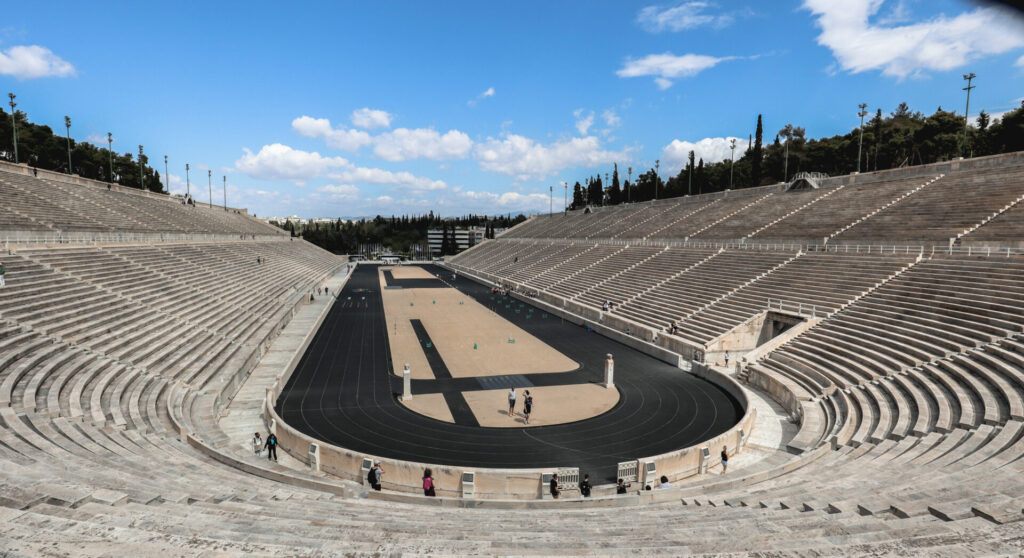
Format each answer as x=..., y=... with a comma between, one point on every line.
x=798, y=308
x=37, y=237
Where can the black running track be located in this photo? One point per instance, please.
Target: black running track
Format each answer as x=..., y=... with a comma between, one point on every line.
x=345, y=392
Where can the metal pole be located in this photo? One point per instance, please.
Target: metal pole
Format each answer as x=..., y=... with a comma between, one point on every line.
x=657, y=175
x=225, y=193
x=14, y=125
x=110, y=154
x=142, y=172
x=188, y=186
x=785, y=165
x=167, y=176
x=860, y=144
x=732, y=159
x=67, y=124
x=551, y=201
x=565, y=195
x=967, y=111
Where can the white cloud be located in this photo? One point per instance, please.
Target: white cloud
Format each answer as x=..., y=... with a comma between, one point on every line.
x=484, y=95
x=1020, y=62
x=340, y=191
x=507, y=201
x=34, y=61
x=611, y=119
x=678, y=18
x=405, y=180
x=280, y=162
x=385, y=199
x=404, y=144
x=583, y=123
x=99, y=140
x=940, y=44
x=338, y=138
x=525, y=158
x=368, y=119
x=675, y=155
x=666, y=67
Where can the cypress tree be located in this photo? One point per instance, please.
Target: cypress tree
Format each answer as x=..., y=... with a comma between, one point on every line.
x=757, y=155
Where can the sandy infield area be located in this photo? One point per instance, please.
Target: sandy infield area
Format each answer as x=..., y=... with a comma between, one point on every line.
x=472, y=340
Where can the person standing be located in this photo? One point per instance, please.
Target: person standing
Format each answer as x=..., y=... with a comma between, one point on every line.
x=664, y=482
x=375, y=476
x=271, y=447
x=527, y=406
x=727, y=358
x=621, y=487
x=511, y=401
x=725, y=459
x=257, y=444
x=428, y=483
x=585, y=486
x=3, y=271
x=554, y=486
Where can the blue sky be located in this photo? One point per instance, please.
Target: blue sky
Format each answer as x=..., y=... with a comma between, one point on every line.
x=350, y=109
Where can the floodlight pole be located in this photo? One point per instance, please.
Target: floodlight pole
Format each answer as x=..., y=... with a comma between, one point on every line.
x=657, y=176
x=225, y=193
x=967, y=110
x=67, y=124
x=110, y=154
x=860, y=144
x=565, y=195
x=167, y=176
x=630, y=187
x=551, y=201
x=142, y=172
x=732, y=159
x=14, y=125
x=188, y=186
x=209, y=183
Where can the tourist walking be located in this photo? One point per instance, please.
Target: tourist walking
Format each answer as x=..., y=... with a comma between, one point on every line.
x=3, y=271
x=375, y=476
x=527, y=406
x=428, y=483
x=725, y=459
x=585, y=486
x=554, y=486
x=271, y=447
x=511, y=401
x=621, y=487
x=257, y=443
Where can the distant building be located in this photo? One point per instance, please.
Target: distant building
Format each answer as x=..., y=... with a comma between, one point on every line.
x=435, y=236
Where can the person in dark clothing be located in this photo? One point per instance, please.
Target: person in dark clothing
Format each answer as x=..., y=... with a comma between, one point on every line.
x=271, y=447
x=725, y=459
x=621, y=487
x=428, y=483
x=585, y=486
x=375, y=476
x=554, y=486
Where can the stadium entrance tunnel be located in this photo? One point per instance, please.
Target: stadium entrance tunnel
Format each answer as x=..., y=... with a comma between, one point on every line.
x=764, y=330
x=346, y=397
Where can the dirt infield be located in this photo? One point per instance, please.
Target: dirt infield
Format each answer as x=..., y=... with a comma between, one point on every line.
x=551, y=405
x=431, y=405
x=409, y=272
x=472, y=340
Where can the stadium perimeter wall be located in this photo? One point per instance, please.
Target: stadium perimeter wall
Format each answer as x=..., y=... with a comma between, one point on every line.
x=500, y=484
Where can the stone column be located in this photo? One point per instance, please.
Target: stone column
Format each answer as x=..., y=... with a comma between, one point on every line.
x=609, y=371
x=406, y=383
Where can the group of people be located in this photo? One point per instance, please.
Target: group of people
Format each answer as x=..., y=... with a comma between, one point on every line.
x=270, y=444
x=527, y=404
x=607, y=306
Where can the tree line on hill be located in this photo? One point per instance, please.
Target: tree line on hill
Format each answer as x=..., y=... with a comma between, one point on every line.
x=40, y=147
x=903, y=138
x=399, y=233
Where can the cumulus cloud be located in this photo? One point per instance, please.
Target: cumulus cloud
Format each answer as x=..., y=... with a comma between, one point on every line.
x=405, y=180
x=33, y=61
x=340, y=191
x=525, y=158
x=369, y=119
x=675, y=155
x=667, y=66
x=583, y=123
x=404, y=144
x=507, y=201
x=940, y=44
x=1020, y=62
x=281, y=162
x=338, y=138
x=687, y=15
